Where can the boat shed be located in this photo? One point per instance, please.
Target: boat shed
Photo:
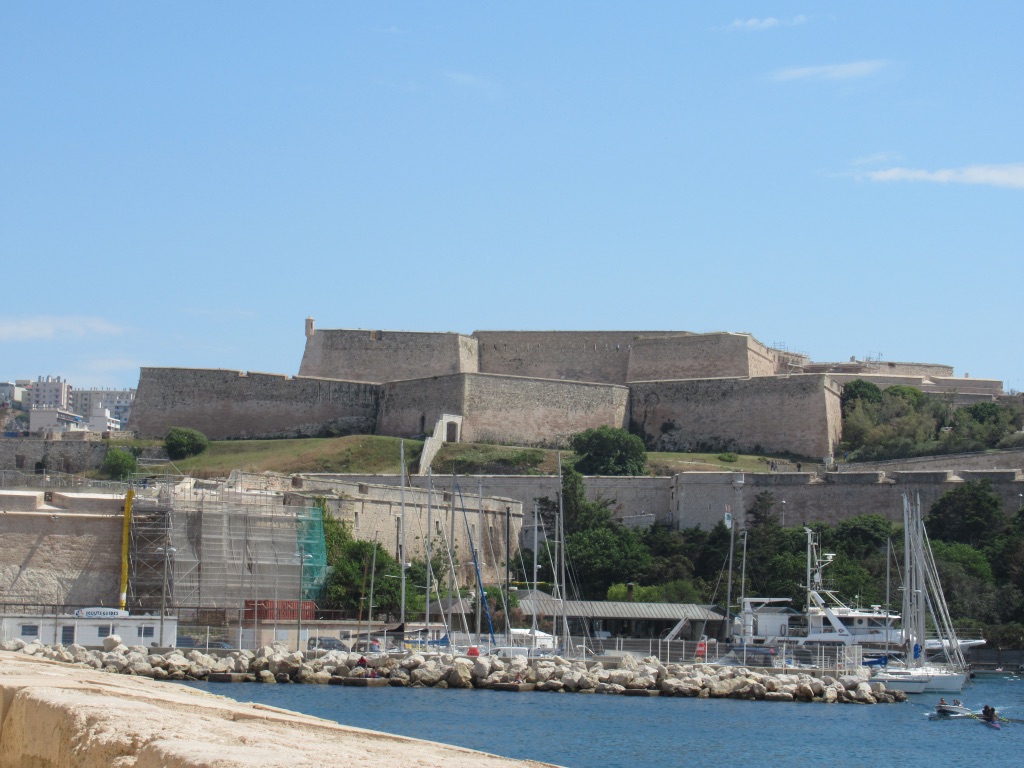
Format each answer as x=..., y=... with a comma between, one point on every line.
x=684, y=621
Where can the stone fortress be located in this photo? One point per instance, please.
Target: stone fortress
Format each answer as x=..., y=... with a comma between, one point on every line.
x=678, y=390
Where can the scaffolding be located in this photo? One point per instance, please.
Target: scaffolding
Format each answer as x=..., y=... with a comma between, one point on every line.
x=198, y=544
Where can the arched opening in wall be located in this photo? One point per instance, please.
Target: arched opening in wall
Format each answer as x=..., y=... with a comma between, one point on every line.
x=423, y=423
x=40, y=467
x=451, y=432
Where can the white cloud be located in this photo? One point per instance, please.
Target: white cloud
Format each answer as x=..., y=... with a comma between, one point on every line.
x=849, y=71
x=759, y=25
x=1009, y=175
x=45, y=327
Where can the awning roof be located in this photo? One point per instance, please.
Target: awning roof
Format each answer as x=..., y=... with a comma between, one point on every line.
x=545, y=605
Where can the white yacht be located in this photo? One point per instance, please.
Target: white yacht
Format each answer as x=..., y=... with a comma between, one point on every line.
x=826, y=620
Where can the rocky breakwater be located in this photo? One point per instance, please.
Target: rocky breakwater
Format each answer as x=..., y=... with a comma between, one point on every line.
x=276, y=664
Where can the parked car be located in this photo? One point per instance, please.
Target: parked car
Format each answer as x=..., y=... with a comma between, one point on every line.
x=325, y=644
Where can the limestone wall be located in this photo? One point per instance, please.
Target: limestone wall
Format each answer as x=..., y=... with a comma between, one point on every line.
x=61, y=715
x=55, y=557
x=26, y=453
x=412, y=408
x=703, y=356
x=796, y=414
x=373, y=510
x=518, y=411
x=379, y=356
x=230, y=404
x=634, y=499
x=700, y=498
x=598, y=356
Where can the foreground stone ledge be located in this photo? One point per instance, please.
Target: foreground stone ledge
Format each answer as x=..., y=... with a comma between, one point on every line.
x=53, y=714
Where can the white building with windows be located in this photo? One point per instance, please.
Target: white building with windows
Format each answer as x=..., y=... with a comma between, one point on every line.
x=50, y=418
x=89, y=627
x=49, y=391
x=117, y=401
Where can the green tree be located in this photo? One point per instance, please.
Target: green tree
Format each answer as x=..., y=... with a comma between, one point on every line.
x=762, y=511
x=599, y=557
x=182, y=442
x=861, y=391
x=119, y=464
x=609, y=451
x=970, y=514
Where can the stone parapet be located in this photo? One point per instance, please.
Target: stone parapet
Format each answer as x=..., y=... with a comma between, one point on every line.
x=54, y=711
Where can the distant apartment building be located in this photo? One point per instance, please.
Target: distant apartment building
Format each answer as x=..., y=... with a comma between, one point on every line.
x=12, y=393
x=49, y=418
x=49, y=392
x=117, y=401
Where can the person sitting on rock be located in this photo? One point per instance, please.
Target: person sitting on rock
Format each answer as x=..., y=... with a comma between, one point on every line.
x=361, y=662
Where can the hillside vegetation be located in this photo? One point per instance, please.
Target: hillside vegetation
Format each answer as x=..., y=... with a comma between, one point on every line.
x=368, y=454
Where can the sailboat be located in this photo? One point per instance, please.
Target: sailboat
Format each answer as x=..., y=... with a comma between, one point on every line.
x=923, y=598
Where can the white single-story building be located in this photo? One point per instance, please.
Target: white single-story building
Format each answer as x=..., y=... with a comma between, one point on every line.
x=89, y=627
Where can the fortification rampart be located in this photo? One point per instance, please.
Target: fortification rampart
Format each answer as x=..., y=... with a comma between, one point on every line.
x=409, y=408
x=231, y=404
x=597, y=356
x=700, y=498
x=520, y=411
x=700, y=356
x=31, y=455
x=375, y=511
x=799, y=414
x=52, y=555
x=380, y=356
x=632, y=499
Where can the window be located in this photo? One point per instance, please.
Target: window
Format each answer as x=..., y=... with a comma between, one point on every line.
x=144, y=631
x=104, y=630
x=30, y=630
x=67, y=634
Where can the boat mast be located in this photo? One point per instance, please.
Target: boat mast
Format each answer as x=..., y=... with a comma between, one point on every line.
x=401, y=557
x=561, y=537
x=535, y=558
x=430, y=536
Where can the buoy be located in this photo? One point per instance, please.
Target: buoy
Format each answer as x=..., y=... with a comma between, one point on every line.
x=473, y=651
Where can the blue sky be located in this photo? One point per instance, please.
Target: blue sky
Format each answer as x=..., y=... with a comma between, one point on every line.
x=182, y=184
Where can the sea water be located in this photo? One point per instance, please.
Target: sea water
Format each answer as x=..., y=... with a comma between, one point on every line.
x=619, y=731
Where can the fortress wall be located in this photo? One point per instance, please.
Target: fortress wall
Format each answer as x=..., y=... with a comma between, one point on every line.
x=409, y=408
x=60, y=558
x=634, y=499
x=925, y=370
x=376, y=510
x=796, y=414
x=879, y=380
x=597, y=356
x=700, y=498
x=991, y=387
x=967, y=461
x=703, y=356
x=25, y=453
x=379, y=356
x=230, y=404
x=519, y=411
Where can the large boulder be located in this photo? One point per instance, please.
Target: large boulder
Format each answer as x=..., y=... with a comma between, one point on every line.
x=460, y=675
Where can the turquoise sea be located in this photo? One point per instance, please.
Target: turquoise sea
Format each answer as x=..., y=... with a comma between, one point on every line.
x=617, y=731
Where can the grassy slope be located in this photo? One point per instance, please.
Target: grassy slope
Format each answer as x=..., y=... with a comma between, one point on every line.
x=365, y=454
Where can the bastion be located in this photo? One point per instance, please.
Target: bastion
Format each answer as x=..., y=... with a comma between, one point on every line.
x=55, y=715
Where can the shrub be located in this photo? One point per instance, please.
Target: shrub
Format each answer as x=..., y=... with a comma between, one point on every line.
x=119, y=464
x=182, y=442
x=730, y=457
